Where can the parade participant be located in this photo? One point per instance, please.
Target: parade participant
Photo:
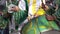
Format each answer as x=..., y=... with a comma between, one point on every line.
x=50, y=12
x=3, y=21
x=57, y=13
x=11, y=4
x=20, y=13
x=39, y=24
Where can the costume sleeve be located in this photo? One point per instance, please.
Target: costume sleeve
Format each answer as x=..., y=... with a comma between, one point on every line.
x=22, y=5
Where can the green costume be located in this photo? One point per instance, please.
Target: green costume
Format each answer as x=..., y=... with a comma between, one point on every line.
x=3, y=20
x=21, y=15
x=35, y=26
x=51, y=11
x=40, y=24
x=57, y=13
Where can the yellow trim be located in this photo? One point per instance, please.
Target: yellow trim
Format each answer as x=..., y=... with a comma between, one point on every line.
x=40, y=12
x=42, y=26
x=34, y=7
x=28, y=1
x=35, y=30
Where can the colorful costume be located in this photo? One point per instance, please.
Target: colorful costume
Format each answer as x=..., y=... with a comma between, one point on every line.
x=37, y=25
x=50, y=12
x=40, y=24
x=57, y=13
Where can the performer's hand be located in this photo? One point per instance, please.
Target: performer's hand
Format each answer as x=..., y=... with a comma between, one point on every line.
x=49, y=17
x=30, y=17
x=15, y=8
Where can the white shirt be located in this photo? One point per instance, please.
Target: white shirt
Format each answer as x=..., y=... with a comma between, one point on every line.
x=22, y=5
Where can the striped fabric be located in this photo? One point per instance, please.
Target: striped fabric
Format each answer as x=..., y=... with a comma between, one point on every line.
x=34, y=6
x=21, y=15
